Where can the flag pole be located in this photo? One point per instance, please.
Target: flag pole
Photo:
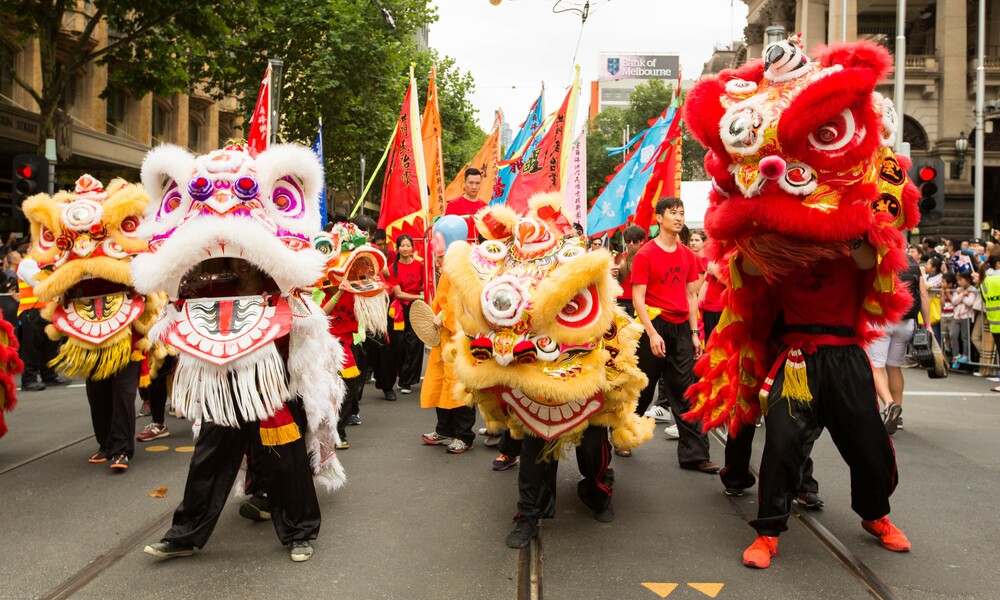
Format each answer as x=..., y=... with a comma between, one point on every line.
x=375, y=172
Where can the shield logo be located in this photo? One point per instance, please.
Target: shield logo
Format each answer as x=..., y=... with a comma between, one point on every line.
x=613, y=66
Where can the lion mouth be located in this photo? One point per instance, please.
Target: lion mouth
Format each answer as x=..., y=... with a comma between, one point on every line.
x=549, y=421
x=223, y=277
x=95, y=287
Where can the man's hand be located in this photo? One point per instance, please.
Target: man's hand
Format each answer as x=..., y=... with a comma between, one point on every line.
x=657, y=345
x=697, y=346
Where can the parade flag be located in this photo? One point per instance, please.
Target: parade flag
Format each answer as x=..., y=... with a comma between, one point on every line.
x=486, y=160
x=665, y=180
x=527, y=138
x=318, y=149
x=260, y=124
x=620, y=198
x=575, y=198
x=544, y=168
x=430, y=132
x=404, y=189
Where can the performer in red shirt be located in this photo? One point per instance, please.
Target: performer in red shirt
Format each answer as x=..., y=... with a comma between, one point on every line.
x=666, y=276
x=406, y=279
x=468, y=204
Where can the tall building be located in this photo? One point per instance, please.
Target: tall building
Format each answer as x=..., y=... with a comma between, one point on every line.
x=620, y=73
x=106, y=137
x=940, y=82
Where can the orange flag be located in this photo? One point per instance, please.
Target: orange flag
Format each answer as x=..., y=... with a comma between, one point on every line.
x=430, y=131
x=486, y=161
x=404, y=190
x=544, y=170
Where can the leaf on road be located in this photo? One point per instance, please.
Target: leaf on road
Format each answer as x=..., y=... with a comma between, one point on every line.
x=159, y=493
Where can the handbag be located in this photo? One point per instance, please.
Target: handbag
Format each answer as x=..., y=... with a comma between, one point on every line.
x=927, y=352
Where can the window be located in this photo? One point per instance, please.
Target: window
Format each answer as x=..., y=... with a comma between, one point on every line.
x=6, y=81
x=227, y=128
x=116, y=114
x=161, y=122
x=197, y=126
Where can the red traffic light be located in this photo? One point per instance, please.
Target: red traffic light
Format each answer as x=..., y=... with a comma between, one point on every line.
x=927, y=173
x=24, y=171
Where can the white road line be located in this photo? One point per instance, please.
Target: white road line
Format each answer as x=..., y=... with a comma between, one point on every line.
x=953, y=394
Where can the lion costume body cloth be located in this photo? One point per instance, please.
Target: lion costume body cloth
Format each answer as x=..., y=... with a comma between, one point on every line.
x=802, y=170
x=230, y=243
x=541, y=346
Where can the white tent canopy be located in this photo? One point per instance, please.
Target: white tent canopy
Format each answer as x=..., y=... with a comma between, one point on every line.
x=695, y=197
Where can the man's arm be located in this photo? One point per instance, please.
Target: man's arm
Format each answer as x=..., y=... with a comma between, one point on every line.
x=863, y=255
x=656, y=342
x=692, y=298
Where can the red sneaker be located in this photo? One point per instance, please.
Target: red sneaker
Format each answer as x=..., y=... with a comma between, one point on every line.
x=758, y=555
x=888, y=534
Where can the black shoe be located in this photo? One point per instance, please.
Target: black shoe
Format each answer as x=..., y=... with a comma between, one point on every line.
x=734, y=492
x=522, y=534
x=167, y=549
x=33, y=386
x=256, y=509
x=810, y=500
x=57, y=381
x=890, y=417
x=705, y=466
x=390, y=395
x=606, y=514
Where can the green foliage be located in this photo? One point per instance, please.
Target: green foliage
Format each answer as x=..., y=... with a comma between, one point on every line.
x=646, y=103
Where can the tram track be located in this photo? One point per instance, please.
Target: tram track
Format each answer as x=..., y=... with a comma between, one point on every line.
x=41, y=455
x=874, y=584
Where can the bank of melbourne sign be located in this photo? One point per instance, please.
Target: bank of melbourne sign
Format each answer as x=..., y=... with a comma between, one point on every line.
x=634, y=66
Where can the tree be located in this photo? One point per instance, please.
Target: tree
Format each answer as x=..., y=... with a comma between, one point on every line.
x=606, y=130
x=159, y=46
x=461, y=137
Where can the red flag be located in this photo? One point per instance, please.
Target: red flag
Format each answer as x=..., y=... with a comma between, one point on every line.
x=665, y=181
x=260, y=124
x=404, y=190
x=544, y=170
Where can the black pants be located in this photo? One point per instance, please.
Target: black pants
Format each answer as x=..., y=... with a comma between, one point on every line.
x=456, y=423
x=214, y=466
x=508, y=445
x=378, y=360
x=736, y=473
x=112, y=410
x=36, y=348
x=710, y=320
x=536, y=481
x=677, y=367
x=353, y=389
x=844, y=401
x=408, y=353
x=156, y=391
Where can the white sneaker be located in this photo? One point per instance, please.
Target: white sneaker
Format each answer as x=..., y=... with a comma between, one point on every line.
x=672, y=433
x=457, y=446
x=660, y=414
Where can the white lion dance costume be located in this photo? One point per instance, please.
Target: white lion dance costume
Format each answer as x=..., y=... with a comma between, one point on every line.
x=229, y=241
x=546, y=351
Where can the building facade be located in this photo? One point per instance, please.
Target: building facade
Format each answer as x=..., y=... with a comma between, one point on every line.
x=106, y=137
x=940, y=83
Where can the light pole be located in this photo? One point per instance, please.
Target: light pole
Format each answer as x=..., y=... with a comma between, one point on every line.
x=773, y=35
x=277, y=65
x=977, y=198
x=961, y=148
x=900, y=74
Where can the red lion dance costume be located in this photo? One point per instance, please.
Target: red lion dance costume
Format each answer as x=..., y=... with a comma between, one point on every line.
x=807, y=208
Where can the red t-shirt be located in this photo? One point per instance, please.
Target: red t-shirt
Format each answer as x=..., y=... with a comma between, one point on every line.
x=825, y=293
x=666, y=275
x=464, y=207
x=626, y=285
x=342, y=320
x=409, y=277
x=713, y=291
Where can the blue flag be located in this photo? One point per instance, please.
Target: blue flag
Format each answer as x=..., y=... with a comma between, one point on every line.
x=525, y=141
x=620, y=198
x=318, y=149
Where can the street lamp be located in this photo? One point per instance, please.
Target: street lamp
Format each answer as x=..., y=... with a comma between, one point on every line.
x=774, y=34
x=961, y=148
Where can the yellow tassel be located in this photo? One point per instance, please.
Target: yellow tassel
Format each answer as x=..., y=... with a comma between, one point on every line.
x=144, y=381
x=735, y=279
x=138, y=355
x=94, y=363
x=279, y=436
x=796, y=385
x=350, y=372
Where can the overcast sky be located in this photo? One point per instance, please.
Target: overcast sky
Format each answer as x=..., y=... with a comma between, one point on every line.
x=512, y=48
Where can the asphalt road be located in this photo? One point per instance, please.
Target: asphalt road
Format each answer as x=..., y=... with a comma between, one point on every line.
x=416, y=522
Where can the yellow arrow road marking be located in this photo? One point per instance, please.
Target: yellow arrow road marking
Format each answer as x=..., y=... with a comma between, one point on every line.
x=157, y=448
x=661, y=589
x=709, y=589
x=184, y=449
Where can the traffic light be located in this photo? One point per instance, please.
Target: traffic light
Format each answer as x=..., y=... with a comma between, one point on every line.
x=31, y=176
x=928, y=175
